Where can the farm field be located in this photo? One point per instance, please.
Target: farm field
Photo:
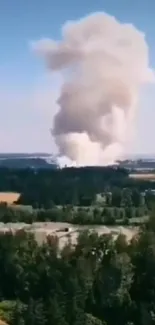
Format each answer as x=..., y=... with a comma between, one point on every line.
x=143, y=176
x=9, y=197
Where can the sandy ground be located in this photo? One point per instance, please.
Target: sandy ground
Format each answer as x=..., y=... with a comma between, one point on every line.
x=42, y=230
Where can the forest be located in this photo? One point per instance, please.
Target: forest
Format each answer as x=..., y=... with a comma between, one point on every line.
x=100, y=281
x=60, y=186
x=90, y=195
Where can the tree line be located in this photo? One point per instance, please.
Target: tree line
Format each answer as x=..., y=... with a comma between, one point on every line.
x=76, y=215
x=100, y=281
x=75, y=186
x=97, y=195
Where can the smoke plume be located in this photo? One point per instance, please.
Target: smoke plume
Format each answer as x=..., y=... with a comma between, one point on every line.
x=103, y=63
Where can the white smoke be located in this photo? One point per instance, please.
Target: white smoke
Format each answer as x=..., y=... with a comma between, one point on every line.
x=104, y=63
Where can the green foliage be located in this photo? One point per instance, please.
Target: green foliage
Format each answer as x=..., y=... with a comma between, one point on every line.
x=7, y=310
x=75, y=215
x=100, y=281
x=75, y=186
x=97, y=195
x=91, y=320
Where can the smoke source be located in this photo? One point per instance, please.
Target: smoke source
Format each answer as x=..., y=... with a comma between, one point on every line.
x=103, y=63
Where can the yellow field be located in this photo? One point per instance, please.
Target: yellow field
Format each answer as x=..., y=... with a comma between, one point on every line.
x=147, y=176
x=9, y=197
x=2, y=322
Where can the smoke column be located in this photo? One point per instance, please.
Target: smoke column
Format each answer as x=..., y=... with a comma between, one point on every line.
x=103, y=63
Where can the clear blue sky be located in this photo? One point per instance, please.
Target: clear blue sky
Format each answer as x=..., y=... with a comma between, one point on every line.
x=26, y=94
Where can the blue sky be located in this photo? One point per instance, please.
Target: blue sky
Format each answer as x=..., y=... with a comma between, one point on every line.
x=27, y=94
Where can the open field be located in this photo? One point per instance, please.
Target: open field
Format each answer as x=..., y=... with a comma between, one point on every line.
x=143, y=176
x=9, y=197
x=57, y=229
